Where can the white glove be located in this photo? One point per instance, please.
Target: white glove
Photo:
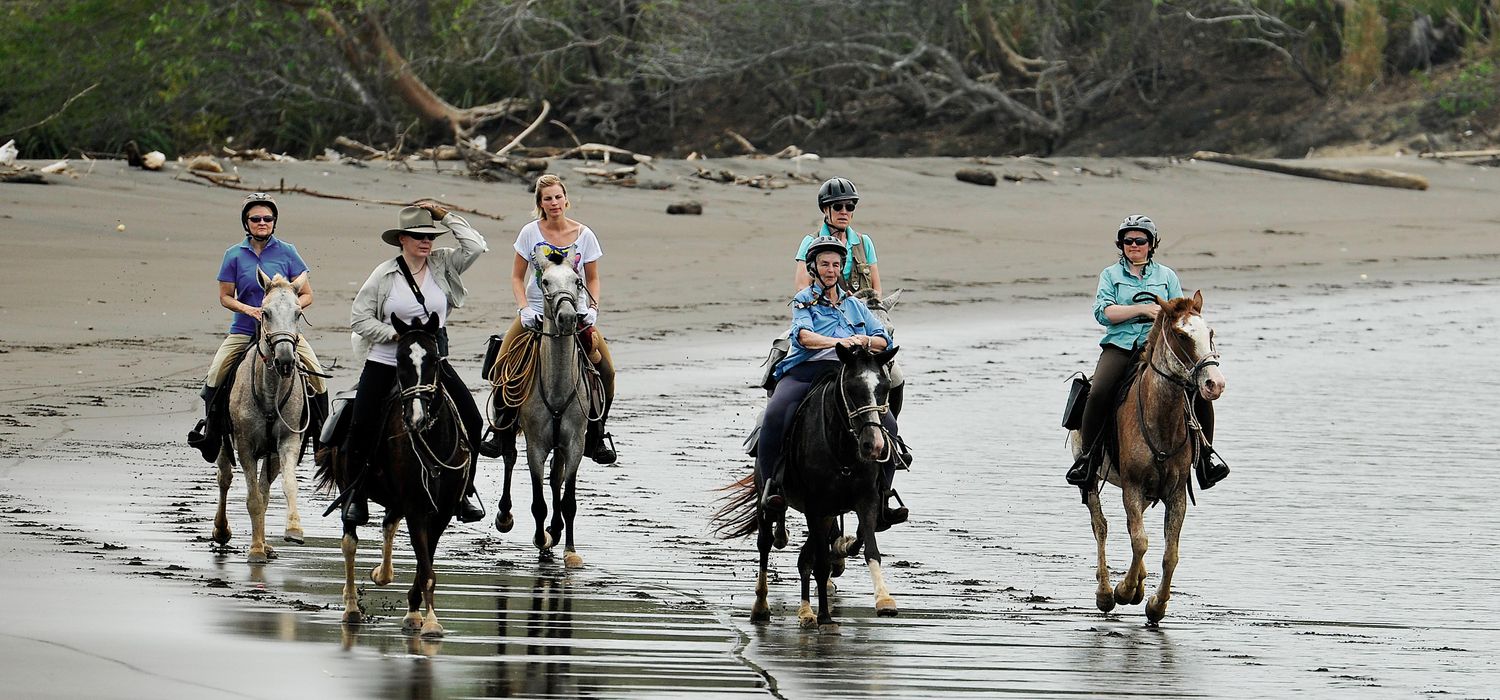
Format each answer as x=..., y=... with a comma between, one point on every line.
x=531, y=319
x=589, y=316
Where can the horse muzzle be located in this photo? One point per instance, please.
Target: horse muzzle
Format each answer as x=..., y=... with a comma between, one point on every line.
x=1212, y=385
x=872, y=446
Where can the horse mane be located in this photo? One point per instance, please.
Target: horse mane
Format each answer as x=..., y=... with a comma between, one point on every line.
x=1171, y=310
x=278, y=281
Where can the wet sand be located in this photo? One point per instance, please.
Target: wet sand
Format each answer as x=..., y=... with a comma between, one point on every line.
x=1351, y=552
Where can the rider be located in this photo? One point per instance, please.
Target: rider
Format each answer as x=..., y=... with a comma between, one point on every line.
x=240, y=292
x=837, y=198
x=420, y=282
x=552, y=232
x=1127, y=324
x=823, y=316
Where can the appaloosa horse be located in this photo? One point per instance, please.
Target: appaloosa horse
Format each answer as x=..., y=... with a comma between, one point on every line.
x=1158, y=440
x=554, y=413
x=833, y=457
x=418, y=470
x=267, y=414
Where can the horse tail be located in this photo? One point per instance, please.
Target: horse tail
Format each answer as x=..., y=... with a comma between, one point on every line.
x=738, y=516
x=326, y=478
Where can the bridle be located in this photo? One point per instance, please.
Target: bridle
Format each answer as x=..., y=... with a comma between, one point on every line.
x=265, y=349
x=430, y=395
x=425, y=393
x=862, y=417
x=555, y=298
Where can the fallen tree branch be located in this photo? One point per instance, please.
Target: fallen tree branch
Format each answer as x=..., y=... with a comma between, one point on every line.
x=60, y=110
x=367, y=152
x=23, y=177
x=1370, y=176
x=546, y=107
x=1488, y=153
x=298, y=189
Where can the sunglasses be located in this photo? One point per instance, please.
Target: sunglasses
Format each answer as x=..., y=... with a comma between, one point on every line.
x=261, y=219
x=842, y=206
x=1136, y=241
x=422, y=236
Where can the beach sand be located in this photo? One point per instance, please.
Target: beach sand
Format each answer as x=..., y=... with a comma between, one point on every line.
x=1351, y=551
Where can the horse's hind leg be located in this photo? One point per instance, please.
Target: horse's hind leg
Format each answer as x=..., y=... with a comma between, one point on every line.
x=384, y=572
x=1156, y=607
x=291, y=453
x=1131, y=589
x=504, y=521
x=1104, y=596
x=761, y=610
x=568, y=508
x=805, y=615
x=348, y=545
x=257, y=493
x=226, y=479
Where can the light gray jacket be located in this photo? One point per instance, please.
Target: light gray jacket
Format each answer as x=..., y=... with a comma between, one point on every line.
x=446, y=264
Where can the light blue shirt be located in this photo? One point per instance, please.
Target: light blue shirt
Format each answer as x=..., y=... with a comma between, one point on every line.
x=1118, y=286
x=851, y=239
x=849, y=318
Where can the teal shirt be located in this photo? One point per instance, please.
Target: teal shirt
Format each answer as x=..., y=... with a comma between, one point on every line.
x=851, y=239
x=1118, y=286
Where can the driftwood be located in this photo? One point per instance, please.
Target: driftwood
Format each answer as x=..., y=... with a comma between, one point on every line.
x=1012, y=177
x=357, y=148
x=742, y=142
x=606, y=153
x=546, y=107
x=217, y=178
x=282, y=187
x=204, y=163
x=1370, y=176
x=764, y=182
x=622, y=176
x=693, y=208
x=256, y=154
x=25, y=177
x=977, y=176
x=1488, y=153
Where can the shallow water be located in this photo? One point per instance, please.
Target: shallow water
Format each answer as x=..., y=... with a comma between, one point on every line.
x=1351, y=552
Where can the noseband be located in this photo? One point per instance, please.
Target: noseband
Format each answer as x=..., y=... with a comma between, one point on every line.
x=553, y=300
x=1185, y=375
x=862, y=417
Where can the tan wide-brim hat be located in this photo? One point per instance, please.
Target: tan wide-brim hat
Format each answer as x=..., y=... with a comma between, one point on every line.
x=413, y=220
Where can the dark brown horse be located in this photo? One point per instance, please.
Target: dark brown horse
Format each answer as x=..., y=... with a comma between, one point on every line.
x=1158, y=440
x=833, y=458
x=418, y=471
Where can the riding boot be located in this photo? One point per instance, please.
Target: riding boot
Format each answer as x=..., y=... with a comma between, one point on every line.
x=490, y=446
x=903, y=454
x=891, y=516
x=205, y=435
x=598, y=444
x=470, y=509
x=355, y=511
x=1209, y=470
x=493, y=445
x=772, y=502
x=1081, y=474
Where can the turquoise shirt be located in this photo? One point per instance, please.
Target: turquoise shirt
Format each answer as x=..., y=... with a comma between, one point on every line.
x=811, y=311
x=851, y=239
x=1118, y=286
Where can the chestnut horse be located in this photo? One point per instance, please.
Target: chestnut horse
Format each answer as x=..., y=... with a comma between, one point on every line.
x=1158, y=440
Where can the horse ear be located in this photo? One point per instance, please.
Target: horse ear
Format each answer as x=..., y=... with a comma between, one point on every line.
x=1198, y=301
x=885, y=356
x=400, y=326
x=262, y=279
x=845, y=353
x=889, y=302
x=431, y=326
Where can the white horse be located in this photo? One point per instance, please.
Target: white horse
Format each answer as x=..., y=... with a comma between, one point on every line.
x=267, y=412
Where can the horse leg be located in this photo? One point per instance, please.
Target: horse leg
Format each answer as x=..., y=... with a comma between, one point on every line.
x=559, y=465
x=885, y=605
x=1131, y=589
x=221, y=518
x=422, y=581
x=384, y=572
x=504, y=521
x=1104, y=596
x=569, y=508
x=348, y=545
x=291, y=453
x=256, y=494
x=817, y=538
x=761, y=610
x=805, y=615
x=1156, y=607
x=538, y=461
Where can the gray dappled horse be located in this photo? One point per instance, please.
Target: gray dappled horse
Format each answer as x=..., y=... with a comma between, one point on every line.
x=268, y=417
x=832, y=466
x=555, y=413
x=880, y=308
x=418, y=470
x=1159, y=440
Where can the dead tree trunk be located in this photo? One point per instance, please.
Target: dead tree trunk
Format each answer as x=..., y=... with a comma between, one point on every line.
x=1369, y=176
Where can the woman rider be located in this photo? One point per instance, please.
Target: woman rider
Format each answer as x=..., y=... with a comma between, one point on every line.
x=240, y=292
x=823, y=316
x=837, y=198
x=419, y=282
x=553, y=232
x=1127, y=324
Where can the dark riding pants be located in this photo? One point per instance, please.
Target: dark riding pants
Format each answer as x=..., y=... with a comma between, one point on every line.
x=1112, y=367
x=370, y=401
x=782, y=408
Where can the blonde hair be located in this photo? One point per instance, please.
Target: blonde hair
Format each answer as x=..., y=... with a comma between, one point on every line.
x=543, y=182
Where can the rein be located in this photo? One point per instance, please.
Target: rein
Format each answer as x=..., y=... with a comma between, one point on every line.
x=420, y=441
x=1184, y=377
x=270, y=339
x=862, y=417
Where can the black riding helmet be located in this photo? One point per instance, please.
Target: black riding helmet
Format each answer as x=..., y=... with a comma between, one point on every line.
x=836, y=190
x=823, y=244
x=257, y=199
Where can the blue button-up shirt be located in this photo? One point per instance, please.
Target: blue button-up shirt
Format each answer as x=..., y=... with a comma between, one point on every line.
x=811, y=311
x=1118, y=286
x=238, y=268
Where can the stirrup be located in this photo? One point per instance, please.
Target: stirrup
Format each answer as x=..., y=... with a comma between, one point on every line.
x=1081, y=474
x=470, y=510
x=889, y=516
x=491, y=446
x=1208, y=471
x=604, y=450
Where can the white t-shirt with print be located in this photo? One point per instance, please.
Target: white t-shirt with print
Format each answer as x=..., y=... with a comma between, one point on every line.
x=404, y=305
x=581, y=252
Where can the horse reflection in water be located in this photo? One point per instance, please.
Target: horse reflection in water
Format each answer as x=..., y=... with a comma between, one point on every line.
x=548, y=615
x=1158, y=441
x=418, y=470
x=267, y=410
x=833, y=457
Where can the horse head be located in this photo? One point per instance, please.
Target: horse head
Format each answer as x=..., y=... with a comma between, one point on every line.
x=417, y=361
x=864, y=390
x=1190, y=343
x=279, y=313
x=562, y=290
x=880, y=307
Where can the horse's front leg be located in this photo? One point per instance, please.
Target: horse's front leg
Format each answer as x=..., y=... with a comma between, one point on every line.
x=424, y=579
x=885, y=605
x=290, y=454
x=385, y=572
x=1131, y=589
x=1104, y=596
x=558, y=479
x=817, y=541
x=504, y=521
x=221, y=517
x=257, y=494
x=569, y=507
x=761, y=610
x=1156, y=607
x=537, y=457
x=805, y=615
x=349, y=544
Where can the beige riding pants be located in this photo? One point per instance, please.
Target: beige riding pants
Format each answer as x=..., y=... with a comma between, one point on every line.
x=234, y=345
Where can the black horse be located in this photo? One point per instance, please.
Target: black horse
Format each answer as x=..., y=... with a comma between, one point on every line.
x=418, y=471
x=832, y=466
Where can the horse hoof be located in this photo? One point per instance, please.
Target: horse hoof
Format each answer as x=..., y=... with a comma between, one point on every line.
x=504, y=522
x=831, y=587
x=836, y=569
x=353, y=617
x=843, y=546
x=221, y=537
x=544, y=541
x=412, y=622
x=294, y=536
x=380, y=577
x=1155, y=612
x=828, y=628
x=1105, y=602
x=807, y=623
x=571, y=560
x=260, y=557
x=761, y=613
x=1140, y=594
x=885, y=607
x=270, y=553
x=433, y=630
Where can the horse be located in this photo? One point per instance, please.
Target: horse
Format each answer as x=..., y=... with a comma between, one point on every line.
x=833, y=458
x=268, y=416
x=880, y=308
x=553, y=414
x=418, y=471
x=1158, y=441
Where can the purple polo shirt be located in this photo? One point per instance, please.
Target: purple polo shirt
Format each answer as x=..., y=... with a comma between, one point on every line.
x=240, y=261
